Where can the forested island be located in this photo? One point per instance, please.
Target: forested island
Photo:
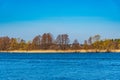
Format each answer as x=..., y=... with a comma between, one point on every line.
x=61, y=43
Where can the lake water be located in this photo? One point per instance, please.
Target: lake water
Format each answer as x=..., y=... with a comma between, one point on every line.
x=72, y=66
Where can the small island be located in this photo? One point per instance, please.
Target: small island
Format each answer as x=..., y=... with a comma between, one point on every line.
x=61, y=44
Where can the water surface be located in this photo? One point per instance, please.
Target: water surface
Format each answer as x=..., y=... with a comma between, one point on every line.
x=59, y=66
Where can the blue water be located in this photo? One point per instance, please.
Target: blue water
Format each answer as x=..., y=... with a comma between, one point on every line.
x=73, y=66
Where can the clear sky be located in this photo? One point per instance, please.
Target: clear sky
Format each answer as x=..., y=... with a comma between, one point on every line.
x=78, y=18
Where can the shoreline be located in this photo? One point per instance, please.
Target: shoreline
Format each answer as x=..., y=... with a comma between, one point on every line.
x=59, y=51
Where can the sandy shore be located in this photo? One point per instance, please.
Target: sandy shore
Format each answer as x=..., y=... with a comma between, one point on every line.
x=56, y=51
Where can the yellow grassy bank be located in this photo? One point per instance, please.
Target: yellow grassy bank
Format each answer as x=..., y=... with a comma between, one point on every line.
x=57, y=51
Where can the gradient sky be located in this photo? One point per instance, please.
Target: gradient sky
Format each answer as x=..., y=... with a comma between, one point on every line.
x=78, y=18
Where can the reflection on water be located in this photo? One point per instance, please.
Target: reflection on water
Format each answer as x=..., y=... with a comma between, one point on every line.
x=84, y=66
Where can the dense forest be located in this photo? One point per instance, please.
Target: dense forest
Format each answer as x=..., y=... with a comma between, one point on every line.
x=62, y=42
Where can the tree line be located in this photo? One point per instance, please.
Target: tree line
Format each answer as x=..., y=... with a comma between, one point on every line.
x=62, y=42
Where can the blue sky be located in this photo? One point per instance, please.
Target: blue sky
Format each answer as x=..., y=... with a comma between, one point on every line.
x=78, y=18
